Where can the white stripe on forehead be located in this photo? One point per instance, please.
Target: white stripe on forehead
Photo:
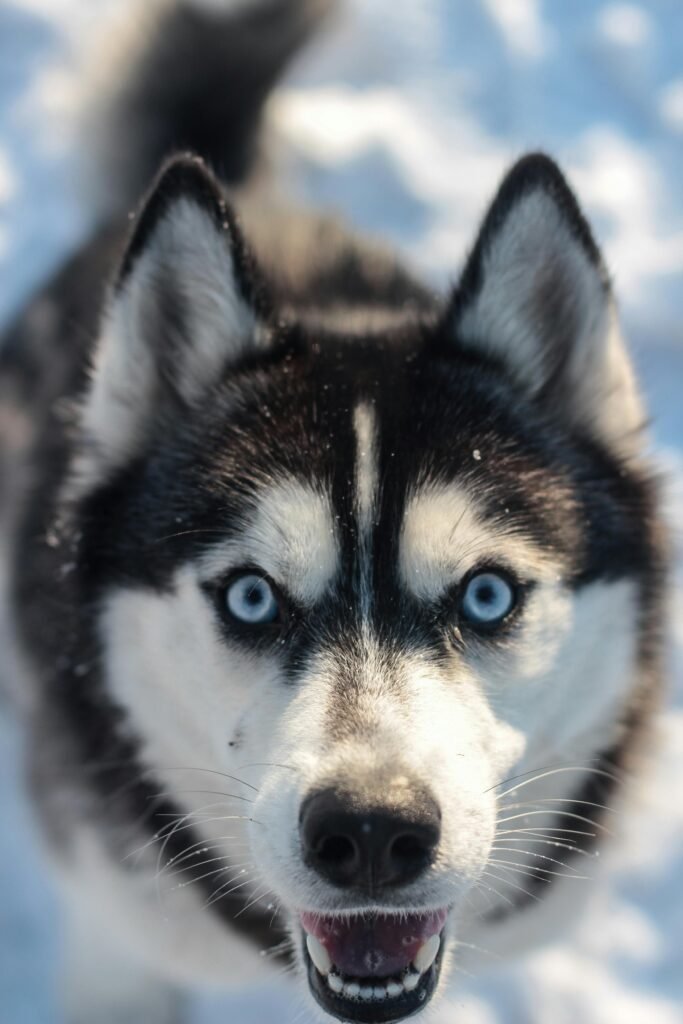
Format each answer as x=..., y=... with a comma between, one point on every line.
x=365, y=503
x=291, y=536
x=445, y=534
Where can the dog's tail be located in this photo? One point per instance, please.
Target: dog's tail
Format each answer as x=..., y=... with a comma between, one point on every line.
x=195, y=76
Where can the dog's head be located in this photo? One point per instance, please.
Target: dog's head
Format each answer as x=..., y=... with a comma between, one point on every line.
x=373, y=573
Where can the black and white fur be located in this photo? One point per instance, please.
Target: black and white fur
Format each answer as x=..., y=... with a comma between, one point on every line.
x=189, y=397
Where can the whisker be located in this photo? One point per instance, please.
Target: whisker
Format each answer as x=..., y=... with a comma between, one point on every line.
x=485, y=886
x=208, y=874
x=255, y=899
x=276, y=910
x=201, y=846
x=160, y=833
x=205, y=792
x=219, y=894
x=201, y=811
x=535, y=837
x=543, y=768
x=560, y=800
x=532, y=872
x=285, y=946
x=228, y=865
x=477, y=888
x=513, y=885
x=478, y=949
x=181, y=825
x=209, y=771
x=544, y=831
x=267, y=764
x=459, y=969
x=558, y=814
x=555, y=771
x=532, y=853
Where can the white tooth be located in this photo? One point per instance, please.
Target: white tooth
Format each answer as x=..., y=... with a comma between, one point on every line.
x=367, y=992
x=394, y=988
x=318, y=954
x=426, y=955
x=410, y=982
x=351, y=989
x=335, y=982
x=379, y=992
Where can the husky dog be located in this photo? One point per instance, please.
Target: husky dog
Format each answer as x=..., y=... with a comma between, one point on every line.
x=335, y=603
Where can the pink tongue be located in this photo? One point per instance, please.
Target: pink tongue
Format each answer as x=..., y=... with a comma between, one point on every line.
x=373, y=946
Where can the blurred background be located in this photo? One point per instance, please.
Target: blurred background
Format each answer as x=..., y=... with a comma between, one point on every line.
x=402, y=118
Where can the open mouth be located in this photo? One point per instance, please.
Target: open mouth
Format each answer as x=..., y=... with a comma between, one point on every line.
x=373, y=968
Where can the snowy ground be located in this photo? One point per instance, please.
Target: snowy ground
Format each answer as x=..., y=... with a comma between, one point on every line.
x=404, y=119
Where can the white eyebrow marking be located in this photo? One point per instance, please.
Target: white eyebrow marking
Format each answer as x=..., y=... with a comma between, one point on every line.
x=292, y=537
x=366, y=492
x=445, y=534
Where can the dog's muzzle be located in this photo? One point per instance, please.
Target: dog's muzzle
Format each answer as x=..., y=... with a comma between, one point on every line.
x=369, y=966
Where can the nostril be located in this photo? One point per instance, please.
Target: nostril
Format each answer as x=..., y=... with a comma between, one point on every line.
x=329, y=841
x=408, y=848
x=337, y=851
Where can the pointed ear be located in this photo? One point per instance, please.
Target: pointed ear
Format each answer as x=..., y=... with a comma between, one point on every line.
x=535, y=295
x=184, y=307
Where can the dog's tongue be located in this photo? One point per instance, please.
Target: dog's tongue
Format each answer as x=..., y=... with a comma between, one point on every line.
x=373, y=946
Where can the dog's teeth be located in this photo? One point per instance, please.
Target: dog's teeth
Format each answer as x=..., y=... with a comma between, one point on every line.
x=318, y=954
x=426, y=955
x=335, y=982
x=410, y=982
x=354, y=990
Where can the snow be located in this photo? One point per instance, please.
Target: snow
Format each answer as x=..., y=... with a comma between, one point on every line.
x=403, y=119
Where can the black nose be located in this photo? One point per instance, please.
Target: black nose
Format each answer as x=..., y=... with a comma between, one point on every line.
x=369, y=848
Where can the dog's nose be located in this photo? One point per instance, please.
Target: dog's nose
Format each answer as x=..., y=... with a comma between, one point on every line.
x=369, y=848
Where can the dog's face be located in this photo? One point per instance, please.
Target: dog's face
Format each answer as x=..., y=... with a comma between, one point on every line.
x=373, y=575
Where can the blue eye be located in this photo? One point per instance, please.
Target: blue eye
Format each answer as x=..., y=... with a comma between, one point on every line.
x=250, y=599
x=487, y=599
